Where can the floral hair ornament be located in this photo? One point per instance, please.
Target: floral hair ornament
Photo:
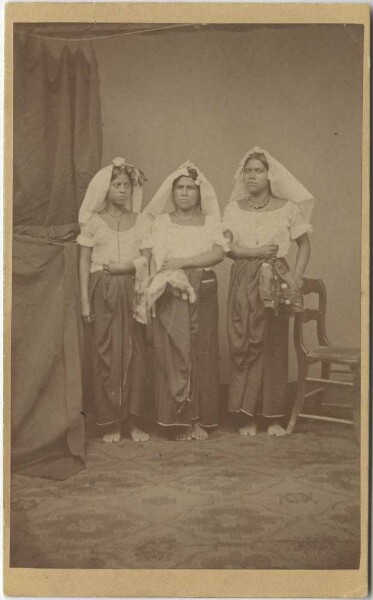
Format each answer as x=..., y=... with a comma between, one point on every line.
x=137, y=177
x=283, y=183
x=162, y=201
x=193, y=173
x=95, y=196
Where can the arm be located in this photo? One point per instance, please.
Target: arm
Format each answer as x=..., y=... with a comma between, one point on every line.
x=266, y=252
x=237, y=251
x=116, y=268
x=303, y=256
x=206, y=259
x=119, y=268
x=84, y=269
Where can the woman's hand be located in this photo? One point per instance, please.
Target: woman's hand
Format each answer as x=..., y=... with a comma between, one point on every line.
x=298, y=280
x=85, y=312
x=266, y=252
x=170, y=264
x=116, y=268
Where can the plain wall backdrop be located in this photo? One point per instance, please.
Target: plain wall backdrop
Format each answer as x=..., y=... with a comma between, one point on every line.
x=209, y=95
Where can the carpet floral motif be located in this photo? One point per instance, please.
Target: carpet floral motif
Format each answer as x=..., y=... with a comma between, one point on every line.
x=227, y=503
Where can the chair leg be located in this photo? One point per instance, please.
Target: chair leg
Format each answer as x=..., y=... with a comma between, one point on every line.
x=357, y=399
x=299, y=398
x=325, y=374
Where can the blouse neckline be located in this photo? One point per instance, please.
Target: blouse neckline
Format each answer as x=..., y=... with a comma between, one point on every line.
x=265, y=212
x=117, y=230
x=187, y=226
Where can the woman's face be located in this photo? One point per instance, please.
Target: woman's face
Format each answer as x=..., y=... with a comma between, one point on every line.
x=255, y=175
x=185, y=193
x=120, y=192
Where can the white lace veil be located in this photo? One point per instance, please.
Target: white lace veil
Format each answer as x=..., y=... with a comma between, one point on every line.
x=283, y=184
x=94, y=199
x=162, y=201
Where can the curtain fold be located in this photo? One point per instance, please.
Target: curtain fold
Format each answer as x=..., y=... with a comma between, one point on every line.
x=47, y=423
x=57, y=132
x=57, y=150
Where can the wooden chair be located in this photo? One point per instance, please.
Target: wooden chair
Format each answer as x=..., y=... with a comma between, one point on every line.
x=325, y=353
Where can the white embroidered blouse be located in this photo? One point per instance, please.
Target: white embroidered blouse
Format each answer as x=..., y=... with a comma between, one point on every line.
x=170, y=240
x=111, y=245
x=279, y=226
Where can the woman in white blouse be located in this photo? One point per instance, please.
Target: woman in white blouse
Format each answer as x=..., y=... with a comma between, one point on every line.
x=268, y=210
x=113, y=235
x=187, y=240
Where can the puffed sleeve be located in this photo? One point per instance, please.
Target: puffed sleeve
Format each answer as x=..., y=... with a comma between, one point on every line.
x=216, y=228
x=298, y=225
x=85, y=238
x=144, y=226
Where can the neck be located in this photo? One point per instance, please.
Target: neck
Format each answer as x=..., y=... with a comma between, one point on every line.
x=260, y=197
x=183, y=213
x=116, y=211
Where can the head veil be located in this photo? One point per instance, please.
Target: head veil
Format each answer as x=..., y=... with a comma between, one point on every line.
x=283, y=184
x=94, y=199
x=162, y=201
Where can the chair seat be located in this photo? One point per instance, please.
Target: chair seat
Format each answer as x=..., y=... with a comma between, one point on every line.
x=337, y=354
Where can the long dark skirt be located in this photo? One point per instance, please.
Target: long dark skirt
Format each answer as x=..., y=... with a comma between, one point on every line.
x=258, y=342
x=186, y=355
x=119, y=349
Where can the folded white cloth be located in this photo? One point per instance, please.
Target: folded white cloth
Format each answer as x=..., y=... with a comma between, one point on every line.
x=178, y=281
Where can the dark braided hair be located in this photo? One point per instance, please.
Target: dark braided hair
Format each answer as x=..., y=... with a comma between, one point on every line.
x=131, y=173
x=258, y=156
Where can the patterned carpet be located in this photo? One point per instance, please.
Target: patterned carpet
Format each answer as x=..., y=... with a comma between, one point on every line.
x=227, y=503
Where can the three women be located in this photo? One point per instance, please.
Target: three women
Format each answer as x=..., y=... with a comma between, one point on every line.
x=186, y=240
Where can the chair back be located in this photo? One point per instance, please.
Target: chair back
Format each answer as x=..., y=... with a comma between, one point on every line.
x=311, y=286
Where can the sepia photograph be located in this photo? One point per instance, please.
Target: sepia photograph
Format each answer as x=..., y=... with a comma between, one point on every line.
x=186, y=277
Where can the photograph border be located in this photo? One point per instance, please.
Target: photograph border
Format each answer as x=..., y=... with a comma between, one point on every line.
x=185, y=582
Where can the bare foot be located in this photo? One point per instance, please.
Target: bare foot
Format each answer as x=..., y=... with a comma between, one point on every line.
x=137, y=434
x=113, y=436
x=249, y=429
x=198, y=433
x=276, y=429
x=184, y=435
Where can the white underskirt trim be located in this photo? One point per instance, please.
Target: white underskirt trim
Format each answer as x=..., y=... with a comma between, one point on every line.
x=185, y=424
x=257, y=415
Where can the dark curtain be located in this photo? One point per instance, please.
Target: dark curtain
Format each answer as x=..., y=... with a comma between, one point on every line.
x=57, y=133
x=57, y=150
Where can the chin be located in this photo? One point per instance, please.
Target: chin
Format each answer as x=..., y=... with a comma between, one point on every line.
x=122, y=204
